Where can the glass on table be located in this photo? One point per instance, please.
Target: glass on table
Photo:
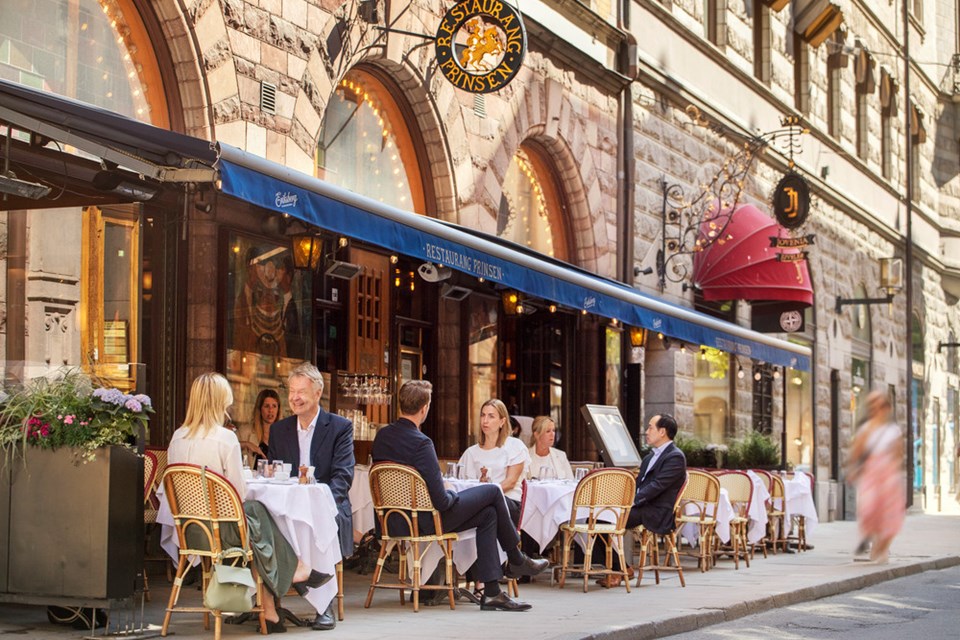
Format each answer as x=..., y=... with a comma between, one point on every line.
x=580, y=474
x=451, y=470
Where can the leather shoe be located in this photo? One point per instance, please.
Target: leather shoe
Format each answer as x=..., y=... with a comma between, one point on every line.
x=275, y=627
x=528, y=567
x=314, y=580
x=325, y=621
x=502, y=602
x=291, y=617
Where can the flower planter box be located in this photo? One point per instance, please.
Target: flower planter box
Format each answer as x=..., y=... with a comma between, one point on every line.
x=75, y=534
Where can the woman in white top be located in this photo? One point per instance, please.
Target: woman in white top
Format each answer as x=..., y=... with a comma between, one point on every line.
x=542, y=452
x=497, y=457
x=204, y=441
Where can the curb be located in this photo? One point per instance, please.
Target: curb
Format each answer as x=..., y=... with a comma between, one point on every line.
x=707, y=617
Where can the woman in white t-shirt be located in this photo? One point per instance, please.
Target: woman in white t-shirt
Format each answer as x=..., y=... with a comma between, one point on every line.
x=542, y=452
x=497, y=457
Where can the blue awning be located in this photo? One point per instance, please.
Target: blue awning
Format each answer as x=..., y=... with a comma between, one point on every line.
x=278, y=188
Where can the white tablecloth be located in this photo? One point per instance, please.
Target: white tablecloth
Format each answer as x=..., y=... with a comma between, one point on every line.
x=548, y=506
x=361, y=502
x=306, y=516
x=757, y=528
x=800, y=501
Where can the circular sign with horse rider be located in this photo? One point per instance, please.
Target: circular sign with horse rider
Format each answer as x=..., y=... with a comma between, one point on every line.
x=480, y=45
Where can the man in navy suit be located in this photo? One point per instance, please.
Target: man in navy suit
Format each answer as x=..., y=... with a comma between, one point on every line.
x=313, y=437
x=662, y=474
x=661, y=477
x=482, y=507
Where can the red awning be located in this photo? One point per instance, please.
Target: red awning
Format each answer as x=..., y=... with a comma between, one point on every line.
x=742, y=265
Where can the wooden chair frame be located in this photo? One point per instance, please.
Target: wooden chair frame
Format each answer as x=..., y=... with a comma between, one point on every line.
x=776, y=524
x=399, y=491
x=184, y=489
x=149, y=482
x=603, y=492
x=702, y=493
x=739, y=486
x=650, y=546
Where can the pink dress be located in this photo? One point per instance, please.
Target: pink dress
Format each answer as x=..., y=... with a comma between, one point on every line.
x=881, y=497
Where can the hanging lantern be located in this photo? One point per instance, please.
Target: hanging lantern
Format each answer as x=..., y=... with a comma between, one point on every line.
x=307, y=250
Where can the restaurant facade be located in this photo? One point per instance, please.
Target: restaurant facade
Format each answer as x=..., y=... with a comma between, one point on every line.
x=316, y=188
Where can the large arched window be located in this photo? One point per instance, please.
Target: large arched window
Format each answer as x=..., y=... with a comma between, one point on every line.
x=96, y=51
x=531, y=204
x=365, y=144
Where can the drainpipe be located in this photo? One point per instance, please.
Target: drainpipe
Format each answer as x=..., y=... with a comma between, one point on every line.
x=908, y=254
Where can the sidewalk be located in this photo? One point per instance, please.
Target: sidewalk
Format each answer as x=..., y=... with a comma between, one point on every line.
x=927, y=542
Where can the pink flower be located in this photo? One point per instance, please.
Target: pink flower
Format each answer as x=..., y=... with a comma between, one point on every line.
x=68, y=420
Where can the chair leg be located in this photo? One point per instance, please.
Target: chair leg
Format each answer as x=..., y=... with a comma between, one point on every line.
x=624, y=569
x=416, y=577
x=174, y=594
x=448, y=553
x=566, y=558
x=340, y=591
x=377, y=571
x=671, y=541
x=643, y=556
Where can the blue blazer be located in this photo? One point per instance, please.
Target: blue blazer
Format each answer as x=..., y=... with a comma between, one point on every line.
x=403, y=442
x=657, y=492
x=331, y=455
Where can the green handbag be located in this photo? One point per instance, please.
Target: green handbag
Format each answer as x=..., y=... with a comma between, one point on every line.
x=230, y=588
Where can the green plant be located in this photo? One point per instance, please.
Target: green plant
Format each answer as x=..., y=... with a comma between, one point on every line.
x=68, y=410
x=695, y=451
x=753, y=451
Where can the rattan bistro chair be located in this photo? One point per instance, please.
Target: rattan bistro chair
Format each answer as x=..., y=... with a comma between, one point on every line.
x=739, y=487
x=399, y=497
x=205, y=517
x=650, y=546
x=776, y=515
x=605, y=496
x=149, y=476
x=698, y=506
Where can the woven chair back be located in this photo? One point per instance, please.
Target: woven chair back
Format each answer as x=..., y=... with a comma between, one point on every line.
x=399, y=490
x=702, y=487
x=605, y=493
x=149, y=474
x=776, y=489
x=739, y=488
x=183, y=485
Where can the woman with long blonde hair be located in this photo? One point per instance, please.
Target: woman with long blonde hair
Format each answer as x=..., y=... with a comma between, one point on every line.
x=498, y=457
x=203, y=440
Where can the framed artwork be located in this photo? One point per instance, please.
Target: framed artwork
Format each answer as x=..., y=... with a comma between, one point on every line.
x=610, y=435
x=269, y=310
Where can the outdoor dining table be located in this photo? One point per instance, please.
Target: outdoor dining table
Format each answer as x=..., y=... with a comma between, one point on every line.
x=757, y=511
x=304, y=513
x=799, y=497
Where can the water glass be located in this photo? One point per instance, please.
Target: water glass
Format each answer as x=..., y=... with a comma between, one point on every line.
x=461, y=472
x=258, y=472
x=451, y=469
x=580, y=474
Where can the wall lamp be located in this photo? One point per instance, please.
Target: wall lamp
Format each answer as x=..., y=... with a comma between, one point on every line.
x=891, y=279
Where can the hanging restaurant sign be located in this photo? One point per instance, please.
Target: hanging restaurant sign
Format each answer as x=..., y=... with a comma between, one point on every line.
x=792, y=243
x=480, y=45
x=791, y=201
x=791, y=257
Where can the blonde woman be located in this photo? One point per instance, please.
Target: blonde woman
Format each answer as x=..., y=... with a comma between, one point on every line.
x=204, y=440
x=542, y=452
x=498, y=457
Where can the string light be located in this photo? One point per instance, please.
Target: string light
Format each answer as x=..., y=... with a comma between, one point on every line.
x=740, y=371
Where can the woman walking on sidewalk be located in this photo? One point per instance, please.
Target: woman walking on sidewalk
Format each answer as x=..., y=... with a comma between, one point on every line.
x=878, y=473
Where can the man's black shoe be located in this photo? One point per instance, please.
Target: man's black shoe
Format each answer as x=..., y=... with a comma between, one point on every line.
x=325, y=621
x=316, y=579
x=502, y=602
x=529, y=567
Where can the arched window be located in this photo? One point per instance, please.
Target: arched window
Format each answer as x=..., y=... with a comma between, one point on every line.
x=365, y=144
x=96, y=51
x=531, y=204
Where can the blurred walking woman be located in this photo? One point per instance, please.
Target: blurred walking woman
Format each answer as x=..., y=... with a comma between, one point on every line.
x=204, y=441
x=877, y=454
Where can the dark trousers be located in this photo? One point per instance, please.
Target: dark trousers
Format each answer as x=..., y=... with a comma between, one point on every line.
x=485, y=509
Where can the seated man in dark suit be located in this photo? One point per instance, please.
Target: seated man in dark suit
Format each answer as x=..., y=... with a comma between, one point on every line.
x=315, y=438
x=662, y=474
x=483, y=507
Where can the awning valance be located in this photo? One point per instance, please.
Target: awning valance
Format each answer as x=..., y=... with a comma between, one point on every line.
x=277, y=188
x=748, y=264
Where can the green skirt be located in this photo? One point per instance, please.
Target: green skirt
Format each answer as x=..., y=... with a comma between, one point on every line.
x=272, y=554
